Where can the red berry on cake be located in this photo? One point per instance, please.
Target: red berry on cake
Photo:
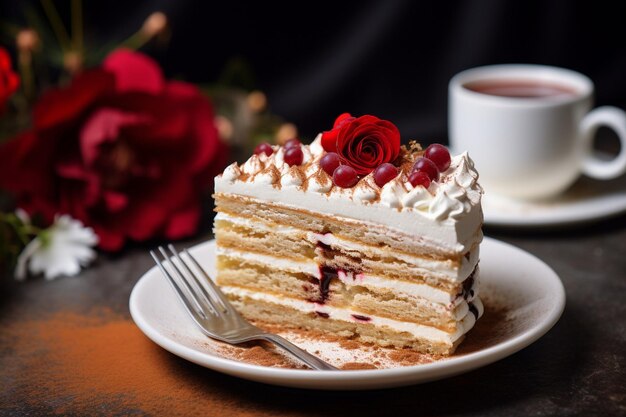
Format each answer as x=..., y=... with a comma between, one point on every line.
x=418, y=178
x=292, y=143
x=345, y=176
x=439, y=155
x=385, y=173
x=293, y=155
x=265, y=148
x=330, y=162
x=428, y=167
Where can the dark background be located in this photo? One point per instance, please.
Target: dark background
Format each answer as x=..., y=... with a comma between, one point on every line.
x=389, y=58
x=392, y=59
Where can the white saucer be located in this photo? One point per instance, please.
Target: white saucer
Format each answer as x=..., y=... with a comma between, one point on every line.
x=529, y=291
x=586, y=201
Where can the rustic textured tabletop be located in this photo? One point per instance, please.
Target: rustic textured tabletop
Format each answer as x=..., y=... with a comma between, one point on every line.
x=69, y=347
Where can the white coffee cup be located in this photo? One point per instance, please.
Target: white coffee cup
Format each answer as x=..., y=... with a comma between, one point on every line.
x=535, y=146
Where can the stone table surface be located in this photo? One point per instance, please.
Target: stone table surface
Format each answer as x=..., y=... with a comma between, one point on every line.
x=578, y=368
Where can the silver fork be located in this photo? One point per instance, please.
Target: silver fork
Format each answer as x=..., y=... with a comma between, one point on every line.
x=214, y=314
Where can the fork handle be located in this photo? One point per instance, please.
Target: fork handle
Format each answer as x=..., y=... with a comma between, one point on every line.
x=311, y=360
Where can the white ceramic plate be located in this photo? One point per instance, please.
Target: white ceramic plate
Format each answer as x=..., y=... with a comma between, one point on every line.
x=588, y=200
x=529, y=291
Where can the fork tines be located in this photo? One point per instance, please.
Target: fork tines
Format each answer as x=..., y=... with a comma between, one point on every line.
x=212, y=312
x=202, y=299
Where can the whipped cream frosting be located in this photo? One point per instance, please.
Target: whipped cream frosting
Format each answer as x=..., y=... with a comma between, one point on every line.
x=448, y=212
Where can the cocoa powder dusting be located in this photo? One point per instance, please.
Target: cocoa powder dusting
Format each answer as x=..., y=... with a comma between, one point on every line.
x=82, y=364
x=351, y=366
x=409, y=357
x=493, y=327
x=349, y=343
x=261, y=353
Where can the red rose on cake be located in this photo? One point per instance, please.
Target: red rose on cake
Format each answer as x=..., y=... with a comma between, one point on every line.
x=364, y=143
x=121, y=149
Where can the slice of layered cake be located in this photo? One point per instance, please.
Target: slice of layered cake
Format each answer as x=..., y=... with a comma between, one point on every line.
x=354, y=235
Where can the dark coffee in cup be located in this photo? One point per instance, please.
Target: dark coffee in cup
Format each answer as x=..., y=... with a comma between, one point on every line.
x=520, y=88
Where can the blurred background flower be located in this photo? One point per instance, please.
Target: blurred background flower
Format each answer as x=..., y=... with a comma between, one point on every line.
x=9, y=80
x=120, y=149
x=60, y=250
x=93, y=134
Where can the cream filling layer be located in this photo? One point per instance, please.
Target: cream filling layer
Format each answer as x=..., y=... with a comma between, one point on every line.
x=424, y=295
x=417, y=330
x=443, y=269
x=312, y=268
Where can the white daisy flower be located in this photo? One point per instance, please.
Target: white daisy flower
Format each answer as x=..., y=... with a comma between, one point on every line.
x=62, y=249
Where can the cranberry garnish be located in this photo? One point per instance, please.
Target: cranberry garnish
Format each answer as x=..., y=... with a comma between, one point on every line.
x=330, y=162
x=385, y=173
x=419, y=178
x=265, y=148
x=345, y=176
x=292, y=143
x=428, y=167
x=293, y=155
x=439, y=155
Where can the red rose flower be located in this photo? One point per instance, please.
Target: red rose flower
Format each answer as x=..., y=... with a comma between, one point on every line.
x=9, y=80
x=364, y=142
x=120, y=149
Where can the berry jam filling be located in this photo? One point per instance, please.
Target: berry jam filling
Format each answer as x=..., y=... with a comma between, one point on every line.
x=323, y=246
x=467, y=291
x=323, y=315
x=467, y=287
x=473, y=310
x=329, y=254
x=359, y=317
x=327, y=273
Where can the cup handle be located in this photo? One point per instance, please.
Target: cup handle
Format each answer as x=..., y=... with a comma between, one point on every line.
x=615, y=119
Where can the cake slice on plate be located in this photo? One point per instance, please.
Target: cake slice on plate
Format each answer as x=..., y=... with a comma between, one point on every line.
x=354, y=235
